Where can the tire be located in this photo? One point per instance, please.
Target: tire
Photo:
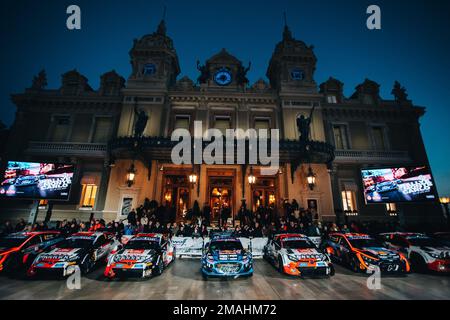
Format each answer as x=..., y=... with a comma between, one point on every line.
x=87, y=264
x=174, y=255
x=280, y=265
x=418, y=264
x=332, y=271
x=354, y=265
x=159, y=269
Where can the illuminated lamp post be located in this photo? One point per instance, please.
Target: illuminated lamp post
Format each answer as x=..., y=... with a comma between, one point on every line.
x=131, y=175
x=193, y=178
x=445, y=201
x=251, y=177
x=311, y=178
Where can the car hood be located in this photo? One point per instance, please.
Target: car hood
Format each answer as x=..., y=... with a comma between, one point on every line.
x=61, y=253
x=228, y=255
x=379, y=252
x=135, y=255
x=442, y=251
x=309, y=253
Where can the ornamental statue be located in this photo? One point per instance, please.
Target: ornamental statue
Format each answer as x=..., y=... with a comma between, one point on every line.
x=204, y=73
x=399, y=92
x=303, y=126
x=140, y=123
x=241, y=75
x=39, y=81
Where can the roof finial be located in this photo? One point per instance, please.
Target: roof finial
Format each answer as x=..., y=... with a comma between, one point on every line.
x=287, y=35
x=162, y=25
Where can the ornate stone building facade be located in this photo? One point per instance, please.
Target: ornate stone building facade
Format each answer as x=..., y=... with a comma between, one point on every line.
x=126, y=127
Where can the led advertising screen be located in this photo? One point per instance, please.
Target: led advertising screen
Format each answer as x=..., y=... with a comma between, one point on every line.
x=391, y=185
x=32, y=180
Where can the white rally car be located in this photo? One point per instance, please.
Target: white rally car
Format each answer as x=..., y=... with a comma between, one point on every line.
x=144, y=255
x=424, y=252
x=83, y=249
x=296, y=254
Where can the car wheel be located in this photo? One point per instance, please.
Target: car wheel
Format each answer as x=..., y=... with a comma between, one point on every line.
x=87, y=264
x=418, y=264
x=332, y=271
x=174, y=257
x=354, y=264
x=280, y=264
x=159, y=268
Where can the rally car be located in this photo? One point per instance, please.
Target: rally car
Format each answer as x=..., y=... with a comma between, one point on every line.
x=83, y=250
x=18, y=250
x=224, y=256
x=424, y=252
x=144, y=255
x=363, y=253
x=296, y=254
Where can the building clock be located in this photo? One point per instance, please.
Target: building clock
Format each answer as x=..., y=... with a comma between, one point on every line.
x=149, y=69
x=223, y=77
x=297, y=74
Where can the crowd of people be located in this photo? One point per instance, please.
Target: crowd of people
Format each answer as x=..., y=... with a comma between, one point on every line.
x=150, y=217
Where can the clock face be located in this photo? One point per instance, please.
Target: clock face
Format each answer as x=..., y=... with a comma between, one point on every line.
x=223, y=77
x=297, y=74
x=149, y=69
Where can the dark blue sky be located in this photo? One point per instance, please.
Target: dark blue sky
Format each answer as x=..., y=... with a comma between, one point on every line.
x=412, y=47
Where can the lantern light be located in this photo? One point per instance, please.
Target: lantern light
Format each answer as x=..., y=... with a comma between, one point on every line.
x=251, y=177
x=131, y=175
x=311, y=178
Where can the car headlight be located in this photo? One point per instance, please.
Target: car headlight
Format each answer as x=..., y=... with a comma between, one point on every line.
x=209, y=257
x=434, y=255
x=70, y=258
x=369, y=259
x=292, y=257
x=147, y=259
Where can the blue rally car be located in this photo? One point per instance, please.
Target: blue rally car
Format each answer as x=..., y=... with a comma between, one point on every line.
x=224, y=256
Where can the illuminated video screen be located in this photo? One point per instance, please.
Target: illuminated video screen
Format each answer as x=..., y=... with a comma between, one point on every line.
x=391, y=185
x=33, y=180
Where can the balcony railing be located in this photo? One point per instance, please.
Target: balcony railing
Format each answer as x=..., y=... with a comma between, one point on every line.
x=371, y=156
x=67, y=149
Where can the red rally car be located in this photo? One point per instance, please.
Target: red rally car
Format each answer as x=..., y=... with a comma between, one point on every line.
x=18, y=250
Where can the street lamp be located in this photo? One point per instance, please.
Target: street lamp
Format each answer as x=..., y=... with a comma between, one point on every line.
x=445, y=201
x=131, y=175
x=251, y=177
x=192, y=178
x=311, y=178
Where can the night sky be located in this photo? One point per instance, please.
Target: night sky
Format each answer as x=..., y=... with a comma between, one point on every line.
x=413, y=46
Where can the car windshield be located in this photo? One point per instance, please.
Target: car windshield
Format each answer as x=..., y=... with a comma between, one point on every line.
x=298, y=244
x=11, y=242
x=364, y=242
x=76, y=243
x=142, y=245
x=226, y=245
x=426, y=242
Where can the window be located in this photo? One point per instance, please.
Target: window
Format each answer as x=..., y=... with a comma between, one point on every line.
x=378, y=138
x=368, y=99
x=182, y=122
x=348, y=200
x=43, y=204
x=61, y=127
x=391, y=209
x=331, y=99
x=340, y=137
x=102, y=130
x=222, y=123
x=262, y=124
x=88, y=194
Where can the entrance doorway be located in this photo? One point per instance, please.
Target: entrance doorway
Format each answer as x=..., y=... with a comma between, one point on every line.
x=264, y=193
x=221, y=192
x=177, y=194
